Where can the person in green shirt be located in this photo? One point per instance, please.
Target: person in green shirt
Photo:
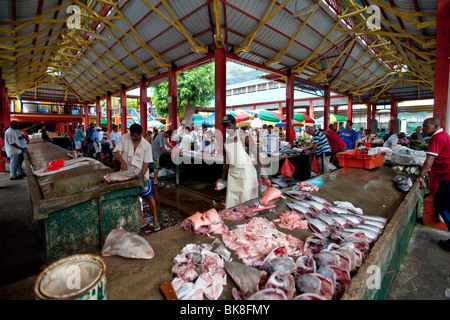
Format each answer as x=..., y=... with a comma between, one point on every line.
x=416, y=139
x=382, y=133
x=79, y=138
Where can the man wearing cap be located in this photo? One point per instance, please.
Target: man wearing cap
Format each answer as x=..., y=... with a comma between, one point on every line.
x=238, y=169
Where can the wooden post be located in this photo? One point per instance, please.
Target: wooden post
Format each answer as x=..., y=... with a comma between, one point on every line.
x=369, y=114
x=350, y=107
x=393, y=116
x=86, y=116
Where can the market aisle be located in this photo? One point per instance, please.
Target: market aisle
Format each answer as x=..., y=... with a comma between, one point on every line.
x=424, y=272
x=21, y=251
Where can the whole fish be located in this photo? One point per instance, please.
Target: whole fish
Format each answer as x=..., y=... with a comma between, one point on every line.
x=313, y=209
x=282, y=281
x=343, y=221
x=321, y=200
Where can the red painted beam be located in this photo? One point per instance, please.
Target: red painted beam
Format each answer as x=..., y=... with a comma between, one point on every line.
x=393, y=116
x=326, y=108
x=98, y=112
x=123, y=109
x=290, y=105
x=143, y=105
x=173, y=102
x=220, y=91
x=441, y=75
x=108, y=114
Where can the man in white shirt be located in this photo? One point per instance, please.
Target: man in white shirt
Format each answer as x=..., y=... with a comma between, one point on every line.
x=271, y=141
x=134, y=150
x=114, y=138
x=14, y=152
x=97, y=142
x=393, y=140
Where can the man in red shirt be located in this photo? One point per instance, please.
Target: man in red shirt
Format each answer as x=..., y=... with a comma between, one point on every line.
x=438, y=160
x=336, y=143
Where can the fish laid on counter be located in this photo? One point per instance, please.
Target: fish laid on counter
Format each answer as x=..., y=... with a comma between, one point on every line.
x=237, y=213
x=307, y=187
x=199, y=270
x=120, y=242
x=248, y=279
x=204, y=223
x=291, y=220
x=269, y=195
x=299, y=195
x=315, y=283
x=122, y=175
x=349, y=206
x=254, y=240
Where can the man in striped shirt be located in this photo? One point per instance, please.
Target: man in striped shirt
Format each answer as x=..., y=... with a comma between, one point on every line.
x=322, y=147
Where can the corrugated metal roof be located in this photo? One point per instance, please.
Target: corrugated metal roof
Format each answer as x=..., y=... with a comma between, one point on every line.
x=238, y=19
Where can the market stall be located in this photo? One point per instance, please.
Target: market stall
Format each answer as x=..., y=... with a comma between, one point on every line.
x=372, y=191
x=75, y=206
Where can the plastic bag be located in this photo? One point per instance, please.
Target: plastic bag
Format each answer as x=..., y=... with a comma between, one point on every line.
x=221, y=184
x=54, y=165
x=315, y=165
x=120, y=242
x=287, y=169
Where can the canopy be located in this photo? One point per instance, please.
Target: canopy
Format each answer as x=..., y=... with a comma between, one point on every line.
x=271, y=116
x=333, y=118
x=283, y=124
x=303, y=118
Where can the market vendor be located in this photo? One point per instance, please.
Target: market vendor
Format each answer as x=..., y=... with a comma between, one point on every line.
x=321, y=146
x=134, y=150
x=238, y=169
x=336, y=144
x=438, y=163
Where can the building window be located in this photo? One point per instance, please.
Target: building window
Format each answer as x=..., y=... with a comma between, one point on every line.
x=262, y=86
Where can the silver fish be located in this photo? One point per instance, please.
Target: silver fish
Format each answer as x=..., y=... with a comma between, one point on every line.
x=372, y=235
x=353, y=218
x=375, y=218
x=375, y=223
x=340, y=276
x=370, y=227
x=338, y=210
x=319, y=226
x=319, y=206
x=307, y=204
x=302, y=210
x=321, y=200
x=299, y=195
x=329, y=220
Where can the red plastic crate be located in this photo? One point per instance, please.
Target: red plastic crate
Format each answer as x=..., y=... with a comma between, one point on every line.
x=360, y=159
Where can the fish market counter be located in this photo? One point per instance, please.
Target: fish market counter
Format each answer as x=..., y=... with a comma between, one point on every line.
x=75, y=207
x=371, y=190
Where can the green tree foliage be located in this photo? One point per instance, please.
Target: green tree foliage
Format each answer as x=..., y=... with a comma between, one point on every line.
x=195, y=88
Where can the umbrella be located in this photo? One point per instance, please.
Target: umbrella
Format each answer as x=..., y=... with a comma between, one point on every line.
x=333, y=118
x=303, y=118
x=243, y=116
x=271, y=116
x=197, y=119
x=283, y=124
x=210, y=120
